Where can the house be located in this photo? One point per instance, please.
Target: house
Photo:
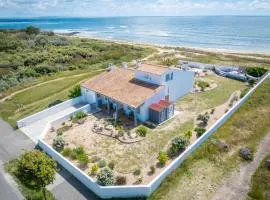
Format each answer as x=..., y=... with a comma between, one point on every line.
x=147, y=93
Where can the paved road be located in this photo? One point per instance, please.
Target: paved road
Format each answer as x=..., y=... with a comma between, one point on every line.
x=12, y=144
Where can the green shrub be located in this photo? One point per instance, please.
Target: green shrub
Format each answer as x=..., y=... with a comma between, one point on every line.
x=94, y=169
x=120, y=180
x=152, y=169
x=58, y=143
x=202, y=84
x=111, y=165
x=80, y=115
x=83, y=159
x=178, y=144
x=188, y=134
x=142, y=131
x=79, y=150
x=162, y=157
x=137, y=172
x=75, y=92
x=102, y=163
x=31, y=30
x=199, y=131
x=255, y=71
x=244, y=92
x=43, y=69
x=105, y=177
x=67, y=152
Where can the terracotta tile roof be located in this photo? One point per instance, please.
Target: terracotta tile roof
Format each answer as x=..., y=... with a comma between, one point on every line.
x=120, y=85
x=160, y=105
x=153, y=69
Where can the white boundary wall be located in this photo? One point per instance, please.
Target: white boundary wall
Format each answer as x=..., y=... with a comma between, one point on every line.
x=45, y=113
x=140, y=190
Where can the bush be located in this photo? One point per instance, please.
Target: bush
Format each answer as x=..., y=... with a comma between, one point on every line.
x=204, y=118
x=55, y=103
x=188, y=134
x=251, y=82
x=142, y=131
x=255, y=71
x=80, y=115
x=111, y=165
x=58, y=143
x=152, y=169
x=31, y=30
x=178, y=144
x=120, y=180
x=67, y=152
x=162, y=157
x=105, y=177
x=203, y=84
x=102, y=163
x=94, y=169
x=43, y=69
x=75, y=92
x=200, y=131
x=83, y=159
x=137, y=172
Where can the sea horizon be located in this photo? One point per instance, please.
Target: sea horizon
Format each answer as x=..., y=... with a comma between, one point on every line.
x=240, y=33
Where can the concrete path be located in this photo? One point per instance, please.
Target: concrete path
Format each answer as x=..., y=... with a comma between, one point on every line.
x=34, y=130
x=12, y=144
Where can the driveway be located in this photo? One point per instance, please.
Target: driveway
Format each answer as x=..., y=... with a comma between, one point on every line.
x=12, y=144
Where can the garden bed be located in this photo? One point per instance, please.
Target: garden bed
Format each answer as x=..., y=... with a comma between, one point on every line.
x=133, y=155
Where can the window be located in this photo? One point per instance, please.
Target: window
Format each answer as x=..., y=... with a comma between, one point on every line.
x=167, y=77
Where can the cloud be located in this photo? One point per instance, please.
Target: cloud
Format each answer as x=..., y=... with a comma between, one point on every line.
x=130, y=7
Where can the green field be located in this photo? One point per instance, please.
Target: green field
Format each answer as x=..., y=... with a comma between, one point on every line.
x=203, y=171
x=38, y=98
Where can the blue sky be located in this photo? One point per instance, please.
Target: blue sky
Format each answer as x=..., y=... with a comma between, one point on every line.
x=97, y=8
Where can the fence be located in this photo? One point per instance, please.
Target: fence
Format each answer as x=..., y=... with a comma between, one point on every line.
x=44, y=113
x=141, y=190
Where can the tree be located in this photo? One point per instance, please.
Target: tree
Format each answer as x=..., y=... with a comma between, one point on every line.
x=75, y=92
x=31, y=30
x=36, y=170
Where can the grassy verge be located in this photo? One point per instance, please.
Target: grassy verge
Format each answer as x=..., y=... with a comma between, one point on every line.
x=202, y=172
x=38, y=98
x=28, y=193
x=260, y=182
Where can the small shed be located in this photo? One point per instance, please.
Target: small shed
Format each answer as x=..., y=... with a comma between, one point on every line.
x=161, y=111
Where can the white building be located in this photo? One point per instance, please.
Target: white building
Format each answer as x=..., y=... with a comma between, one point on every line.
x=147, y=93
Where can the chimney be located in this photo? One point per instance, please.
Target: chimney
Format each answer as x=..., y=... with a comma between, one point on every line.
x=124, y=65
x=138, y=63
x=111, y=67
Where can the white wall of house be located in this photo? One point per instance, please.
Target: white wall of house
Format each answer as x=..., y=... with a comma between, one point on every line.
x=179, y=85
x=143, y=111
x=88, y=95
x=148, y=77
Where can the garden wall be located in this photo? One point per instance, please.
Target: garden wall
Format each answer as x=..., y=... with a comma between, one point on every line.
x=47, y=112
x=139, y=190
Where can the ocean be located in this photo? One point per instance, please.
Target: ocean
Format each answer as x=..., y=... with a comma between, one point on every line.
x=237, y=33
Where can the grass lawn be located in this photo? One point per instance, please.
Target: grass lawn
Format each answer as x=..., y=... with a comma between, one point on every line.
x=28, y=193
x=38, y=98
x=203, y=171
x=206, y=100
x=260, y=182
